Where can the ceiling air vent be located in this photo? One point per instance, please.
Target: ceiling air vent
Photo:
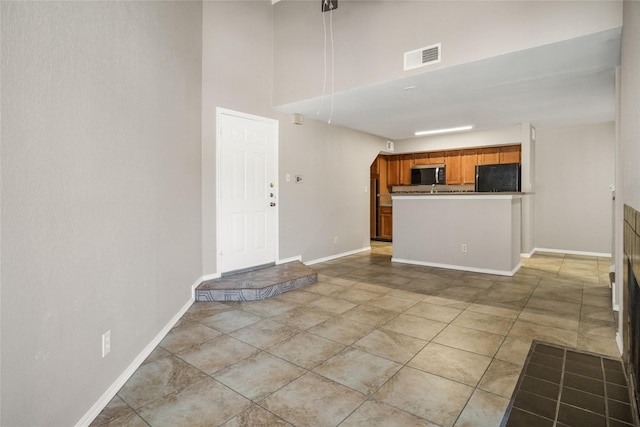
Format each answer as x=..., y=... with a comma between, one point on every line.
x=421, y=57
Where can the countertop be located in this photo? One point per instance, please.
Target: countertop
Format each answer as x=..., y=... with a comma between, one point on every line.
x=453, y=193
x=460, y=195
x=457, y=193
x=386, y=199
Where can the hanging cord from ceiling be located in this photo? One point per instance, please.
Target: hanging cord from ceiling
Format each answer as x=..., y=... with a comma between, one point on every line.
x=328, y=4
x=324, y=57
x=332, y=58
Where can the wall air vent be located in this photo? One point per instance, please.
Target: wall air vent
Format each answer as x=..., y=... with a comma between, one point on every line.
x=421, y=57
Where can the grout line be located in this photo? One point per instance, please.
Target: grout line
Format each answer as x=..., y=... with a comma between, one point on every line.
x=606, y=400
x=562, y=372
x=360, y=264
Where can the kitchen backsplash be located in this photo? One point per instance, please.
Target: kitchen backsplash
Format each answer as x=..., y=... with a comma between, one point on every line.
x=427, y=188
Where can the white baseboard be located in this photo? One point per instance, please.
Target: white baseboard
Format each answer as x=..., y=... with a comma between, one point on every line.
x=286, y=260
x=528, y=255
x=568, y=252
x=459, y=267
x=124, y=377
x=336, y=256
x=209, y=277
x=278, y=262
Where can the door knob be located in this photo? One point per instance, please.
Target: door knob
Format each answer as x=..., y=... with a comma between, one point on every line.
x=272, y=204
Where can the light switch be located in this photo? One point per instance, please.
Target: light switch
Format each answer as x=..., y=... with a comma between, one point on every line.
x=287, y=177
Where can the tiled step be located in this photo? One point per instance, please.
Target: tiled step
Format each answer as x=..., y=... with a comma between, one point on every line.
x=257, y=284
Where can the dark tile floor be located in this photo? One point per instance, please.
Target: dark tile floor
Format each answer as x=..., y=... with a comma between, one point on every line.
x=371, y=343
x=570, y=388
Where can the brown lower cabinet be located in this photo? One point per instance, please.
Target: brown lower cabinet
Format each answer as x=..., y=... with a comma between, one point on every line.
x=388, y=170
x=385, y=222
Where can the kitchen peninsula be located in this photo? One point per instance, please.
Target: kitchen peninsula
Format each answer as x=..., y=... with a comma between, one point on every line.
x=391, y=172
x=462, y=231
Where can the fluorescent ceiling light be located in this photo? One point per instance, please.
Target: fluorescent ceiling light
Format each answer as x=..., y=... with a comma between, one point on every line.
x=437, y=131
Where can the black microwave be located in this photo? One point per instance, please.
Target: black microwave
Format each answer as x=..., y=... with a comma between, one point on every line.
x=428, y=175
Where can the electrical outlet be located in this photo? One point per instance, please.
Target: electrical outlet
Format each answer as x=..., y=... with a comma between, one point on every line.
x=463, y=248
x=299, y=179
x=106, y=343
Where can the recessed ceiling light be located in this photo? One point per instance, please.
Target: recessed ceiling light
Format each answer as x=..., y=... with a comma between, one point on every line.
x=437, y=131
x=410, y=88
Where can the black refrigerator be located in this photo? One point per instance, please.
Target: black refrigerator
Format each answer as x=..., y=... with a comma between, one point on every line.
x=498, y=178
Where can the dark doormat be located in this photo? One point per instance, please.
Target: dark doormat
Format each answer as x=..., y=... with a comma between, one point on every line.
x=559, y=387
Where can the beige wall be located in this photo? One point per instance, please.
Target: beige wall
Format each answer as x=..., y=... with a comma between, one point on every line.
x=628, y=147
x=430, y=230
x=331, y=202
x=108, y=182
x=572, y=209
x=518, y=134
x=630, y=108
x=333, y=160
x=370, y=37
x=108, y=150
x=100, y=183
x=453, y=141
x=575, y=165
x=237, y=75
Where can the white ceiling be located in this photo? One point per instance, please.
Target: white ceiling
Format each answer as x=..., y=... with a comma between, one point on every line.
x=569, y=82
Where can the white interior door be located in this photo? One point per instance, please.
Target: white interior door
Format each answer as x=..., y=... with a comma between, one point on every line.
x=248, y=191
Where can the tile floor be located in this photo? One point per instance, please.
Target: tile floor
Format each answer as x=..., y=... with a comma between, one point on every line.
x=565, y=387
x=372, y=343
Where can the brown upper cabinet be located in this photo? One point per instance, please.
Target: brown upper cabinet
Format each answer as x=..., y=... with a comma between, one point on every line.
x=399, y=169
x=432, y=158
x=453, y=164
x=489, y=156
x=510, y=154
x=437, y=158
x=383, y=178
x=468, y=162
x=495, y=155
x=379, y=172
x=393, y=170
x=420, y=159
x=375, y=168
x=461, y=164
x=406, y=162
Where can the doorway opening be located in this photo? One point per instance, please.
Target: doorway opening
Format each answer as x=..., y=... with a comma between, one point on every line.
x=381, y=209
